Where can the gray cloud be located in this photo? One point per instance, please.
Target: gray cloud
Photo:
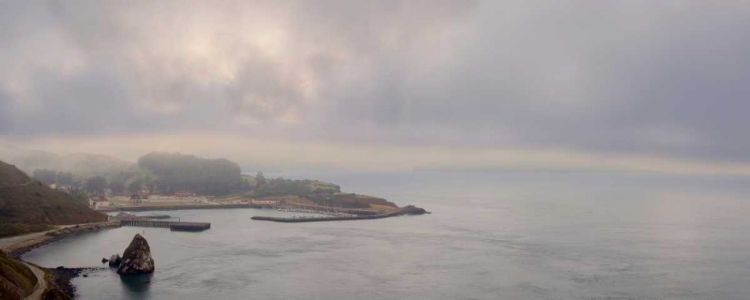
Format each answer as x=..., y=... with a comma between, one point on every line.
x=640, y=77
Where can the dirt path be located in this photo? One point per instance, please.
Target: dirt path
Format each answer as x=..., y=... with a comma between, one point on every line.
x=41, y=284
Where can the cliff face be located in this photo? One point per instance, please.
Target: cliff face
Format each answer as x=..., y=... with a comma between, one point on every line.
x=137, y=258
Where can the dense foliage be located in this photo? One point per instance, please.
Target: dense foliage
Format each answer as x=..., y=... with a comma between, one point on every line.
x=281, y=186
x=52, y=176
x=176, y=172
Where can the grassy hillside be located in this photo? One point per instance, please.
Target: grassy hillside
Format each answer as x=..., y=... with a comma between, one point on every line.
x=81, y=164
x=16, y=280
x=27, y=201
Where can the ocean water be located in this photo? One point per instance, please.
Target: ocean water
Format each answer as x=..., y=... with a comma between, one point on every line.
x=491, y=235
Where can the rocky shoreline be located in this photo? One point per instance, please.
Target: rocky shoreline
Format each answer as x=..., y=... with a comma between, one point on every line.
x=63, y=276
x=53, y=236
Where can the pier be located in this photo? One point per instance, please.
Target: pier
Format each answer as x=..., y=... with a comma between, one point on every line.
x=172, y=225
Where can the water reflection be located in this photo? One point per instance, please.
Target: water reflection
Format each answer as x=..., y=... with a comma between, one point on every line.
x=136, y=285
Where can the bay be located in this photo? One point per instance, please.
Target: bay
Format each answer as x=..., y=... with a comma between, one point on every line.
x=491, y=235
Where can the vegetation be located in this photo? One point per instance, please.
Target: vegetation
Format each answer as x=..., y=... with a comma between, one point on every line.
x=319, y=192
x=52, y=176
x=11, y=229
x=16, y=279
x=27, y=201
x=78, y=164
x=351, y=201
x=96, y=185
x=281, y=186
x=176, y=172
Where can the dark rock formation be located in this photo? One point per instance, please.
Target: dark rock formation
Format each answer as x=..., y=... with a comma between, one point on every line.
x=114, y=260
x=137, y=258
x=104, y=260
x=413, y=210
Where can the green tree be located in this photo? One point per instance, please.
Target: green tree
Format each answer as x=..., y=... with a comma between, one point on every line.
x=135, y=186
x=96, y=185
x=117, y=187
x=260, y=179
x=80, y=195
x=65, y=178
x=44, y=175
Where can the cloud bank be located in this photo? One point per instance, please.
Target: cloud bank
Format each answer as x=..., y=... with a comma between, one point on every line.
x=666, y=80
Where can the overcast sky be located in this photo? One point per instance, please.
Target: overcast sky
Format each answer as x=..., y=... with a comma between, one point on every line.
x=626, y=85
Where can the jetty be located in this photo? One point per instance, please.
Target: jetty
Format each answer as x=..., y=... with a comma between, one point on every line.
x=406, y=210
x=172, y=225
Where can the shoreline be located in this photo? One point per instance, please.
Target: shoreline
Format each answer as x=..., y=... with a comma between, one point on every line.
x=178, y=207
x=20, y=248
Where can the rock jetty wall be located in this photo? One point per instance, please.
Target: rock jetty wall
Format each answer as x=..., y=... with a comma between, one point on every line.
x=407, y=210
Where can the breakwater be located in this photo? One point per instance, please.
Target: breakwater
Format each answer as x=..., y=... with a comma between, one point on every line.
x=172, y=225
x=407, y=210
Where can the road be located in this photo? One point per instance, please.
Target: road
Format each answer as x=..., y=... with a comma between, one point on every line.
x=41, y=284
x=10, y=241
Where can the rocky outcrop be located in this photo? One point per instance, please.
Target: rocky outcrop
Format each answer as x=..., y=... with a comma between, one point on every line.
x=115, y=260
x=137, y=258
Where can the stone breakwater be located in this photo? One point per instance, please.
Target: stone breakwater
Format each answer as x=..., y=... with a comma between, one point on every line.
x=407, y=210
x=20, y=248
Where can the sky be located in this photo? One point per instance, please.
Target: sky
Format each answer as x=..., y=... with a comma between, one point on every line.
x=656, y=86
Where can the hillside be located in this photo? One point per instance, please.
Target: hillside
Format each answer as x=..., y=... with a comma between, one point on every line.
x=204, y=176
x=81, y=164
x=29, y=202
x=16, y=280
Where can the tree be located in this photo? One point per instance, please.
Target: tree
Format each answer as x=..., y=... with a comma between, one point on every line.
x=96, y=185
x=135, y=186
x=177, y=172
x=260, y=179
x=80, y=195
x=65, y=178
x=117, y=187
x=44, y=175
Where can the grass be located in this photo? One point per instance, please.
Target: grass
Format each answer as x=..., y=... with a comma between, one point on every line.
x=16, y=280
x=35, y=203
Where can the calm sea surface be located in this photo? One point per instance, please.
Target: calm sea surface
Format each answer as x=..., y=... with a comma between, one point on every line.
x=512, y=235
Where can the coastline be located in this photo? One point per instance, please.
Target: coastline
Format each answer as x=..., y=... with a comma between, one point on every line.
x=18, y=249
x=178, y=207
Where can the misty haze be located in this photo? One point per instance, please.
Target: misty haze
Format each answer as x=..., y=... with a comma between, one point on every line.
x=331, y=149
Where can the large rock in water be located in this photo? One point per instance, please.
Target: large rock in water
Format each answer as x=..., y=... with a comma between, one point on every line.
x=137, y=258
x=114, y=260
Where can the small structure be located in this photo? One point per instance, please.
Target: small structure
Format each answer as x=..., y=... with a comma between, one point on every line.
x=99, y=202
